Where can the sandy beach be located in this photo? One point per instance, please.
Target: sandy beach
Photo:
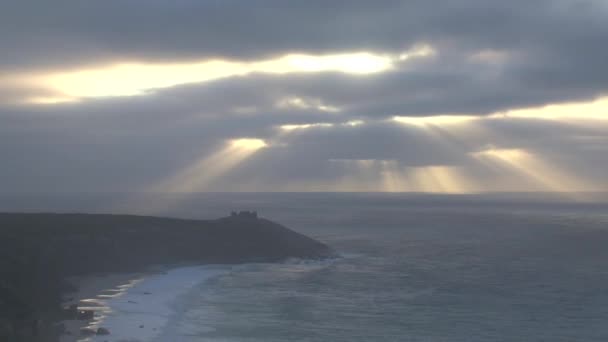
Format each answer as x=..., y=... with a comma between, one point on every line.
x=132, y=307
x=92, y=293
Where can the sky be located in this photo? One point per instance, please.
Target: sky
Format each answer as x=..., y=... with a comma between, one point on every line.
x=462, y=96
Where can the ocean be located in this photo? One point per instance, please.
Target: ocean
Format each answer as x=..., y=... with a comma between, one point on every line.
x=426, y=268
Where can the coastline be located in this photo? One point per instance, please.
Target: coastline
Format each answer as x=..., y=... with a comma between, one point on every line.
x=132, y=306
x=92, y=293
x=44, y=249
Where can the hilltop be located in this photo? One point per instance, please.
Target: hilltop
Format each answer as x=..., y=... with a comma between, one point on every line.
x=38, y=251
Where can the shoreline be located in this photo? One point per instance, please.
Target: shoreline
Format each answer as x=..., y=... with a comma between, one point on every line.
x=132, y=306
x=44, y=249
x=91, y=293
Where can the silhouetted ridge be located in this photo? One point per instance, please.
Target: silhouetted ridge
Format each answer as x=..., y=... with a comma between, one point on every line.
x=37, y=251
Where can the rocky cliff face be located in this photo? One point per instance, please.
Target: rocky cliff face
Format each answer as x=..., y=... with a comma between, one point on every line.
x=39, y=250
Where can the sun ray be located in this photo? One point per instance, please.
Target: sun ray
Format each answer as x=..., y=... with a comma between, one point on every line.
x=393, y=176
x=202, y=173
x=539, y=173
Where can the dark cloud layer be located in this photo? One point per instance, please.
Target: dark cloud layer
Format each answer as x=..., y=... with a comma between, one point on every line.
x=42, y=32
x=491, y=57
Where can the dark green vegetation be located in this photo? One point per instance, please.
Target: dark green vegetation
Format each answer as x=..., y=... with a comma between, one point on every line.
x=38, y=251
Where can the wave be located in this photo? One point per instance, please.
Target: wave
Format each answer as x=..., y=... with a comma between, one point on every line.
x=144, y=308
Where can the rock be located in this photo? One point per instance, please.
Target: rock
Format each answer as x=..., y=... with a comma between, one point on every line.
x=147, y=293
x=87, y=331
x=141, y=326
x=86, y=314
x=103, y=331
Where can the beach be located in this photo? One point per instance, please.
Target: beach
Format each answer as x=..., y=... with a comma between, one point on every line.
x=93, y=293
x=131, y=306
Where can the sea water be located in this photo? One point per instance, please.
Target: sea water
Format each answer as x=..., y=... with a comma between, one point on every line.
x=412, y=268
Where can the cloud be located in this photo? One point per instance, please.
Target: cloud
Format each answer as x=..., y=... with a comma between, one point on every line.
x=408, y=122
x=94, y=146
x=270, y=27
x=492, y=56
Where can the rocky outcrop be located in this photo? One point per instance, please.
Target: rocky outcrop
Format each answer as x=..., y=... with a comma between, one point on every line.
x=103, y=331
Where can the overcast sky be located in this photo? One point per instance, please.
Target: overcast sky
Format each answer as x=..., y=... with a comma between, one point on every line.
x=197, y=95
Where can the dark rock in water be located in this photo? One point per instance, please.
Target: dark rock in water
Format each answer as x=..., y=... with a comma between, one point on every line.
x=86, y=314
x=141, y=326
x=147, y=293
x=87, y=332
x=103, y=331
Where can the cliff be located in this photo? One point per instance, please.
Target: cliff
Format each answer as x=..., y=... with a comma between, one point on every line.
x=37, y=251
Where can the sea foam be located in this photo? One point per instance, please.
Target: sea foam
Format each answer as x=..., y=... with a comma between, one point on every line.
x=142, y=309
